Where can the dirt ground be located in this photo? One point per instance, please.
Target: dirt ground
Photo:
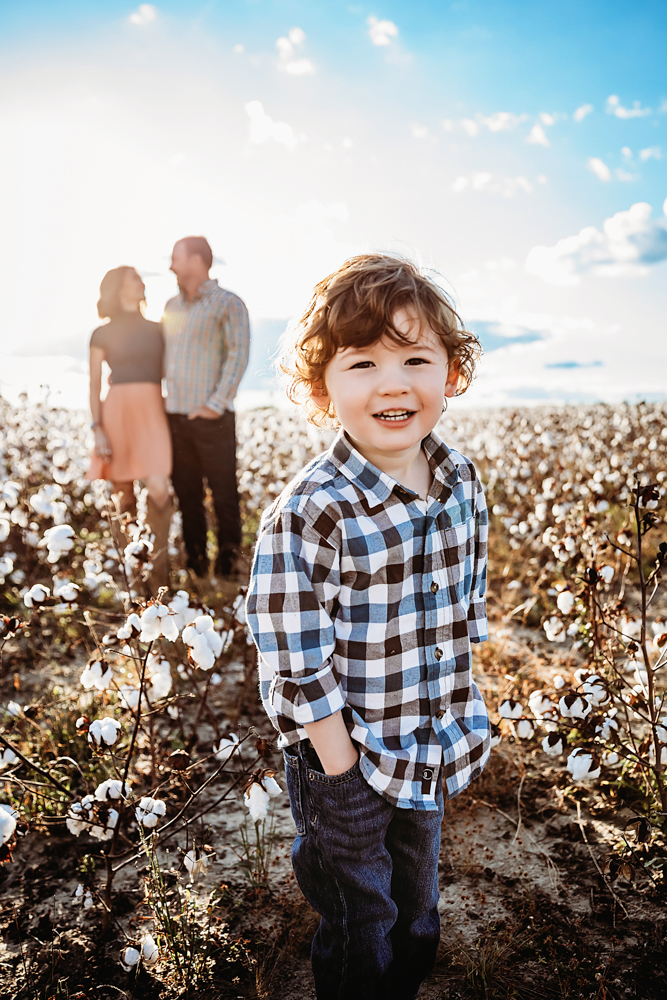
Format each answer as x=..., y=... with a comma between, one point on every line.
x=526, y=911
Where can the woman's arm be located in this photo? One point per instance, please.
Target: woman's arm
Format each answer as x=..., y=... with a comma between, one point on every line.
x=102, y=446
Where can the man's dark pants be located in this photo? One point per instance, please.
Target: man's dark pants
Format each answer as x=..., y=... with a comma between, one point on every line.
x=206, y=448
x=371, y=872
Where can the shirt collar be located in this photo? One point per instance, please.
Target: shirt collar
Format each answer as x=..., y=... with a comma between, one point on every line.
x=208, y=286
x=377, y=486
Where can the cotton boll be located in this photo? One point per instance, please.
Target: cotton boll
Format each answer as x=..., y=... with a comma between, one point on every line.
x=607, y=728
x=150, y=953
x=225, y=748
x=540, y=706
x=14, y=709
x=96, y=675
x=257, y=800
x=197, y=862
x=565, y=601
x=112, y=788
x=559, y=682
x=159, y=676
x=150, y=811
x=574, y=706
x=7, y=826
x=582, y=765
x=606, y=573
x=67, y=592
x=595, y=690
x=129, y=696
x=611, y=759
x=36, y=595
x=510, y=709
x=58, y=540
x=129, y=958
x=554, y=630
x=553, y=744
x=104, y=731
x=204, y=642
x=271, y=786
x=523, y=729
x=7, y=758
x=132, y=627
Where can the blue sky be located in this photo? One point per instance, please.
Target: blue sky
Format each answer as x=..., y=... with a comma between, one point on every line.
x=517, y=148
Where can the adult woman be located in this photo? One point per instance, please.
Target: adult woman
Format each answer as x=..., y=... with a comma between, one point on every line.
x=132, y=438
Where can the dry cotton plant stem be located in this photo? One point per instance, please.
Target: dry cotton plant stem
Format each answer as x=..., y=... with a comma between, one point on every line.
x=582, y=826
x=518, y=805
x=36, y=767
x=650, y=672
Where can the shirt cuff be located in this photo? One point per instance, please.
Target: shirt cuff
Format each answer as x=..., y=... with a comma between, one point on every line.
x=307, y=699
x=217, y=406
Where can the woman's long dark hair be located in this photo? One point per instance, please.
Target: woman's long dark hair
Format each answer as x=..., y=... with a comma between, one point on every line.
x=109, y=305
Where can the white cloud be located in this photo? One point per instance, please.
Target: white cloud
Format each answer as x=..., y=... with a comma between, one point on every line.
x=614, y=107
x=287, y=47
x=419, y=131
x=624, y=175
x=599, y=168
x=144, y=14
x=626, y=153
x=381, y=32
x=652, y=153
x=238, y=49
x=537, y=136
x=263, y=128
x=490, y=183
x=582, y=111
x=501, y=121
x=547, y=119
x=470, y=126
x=629, y=241
x=447, y=124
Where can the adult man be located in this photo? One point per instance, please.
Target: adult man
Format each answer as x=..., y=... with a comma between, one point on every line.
x=207, y=342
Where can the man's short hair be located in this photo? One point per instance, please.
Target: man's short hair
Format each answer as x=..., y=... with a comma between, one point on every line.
x=355, y=306
x=198, y=245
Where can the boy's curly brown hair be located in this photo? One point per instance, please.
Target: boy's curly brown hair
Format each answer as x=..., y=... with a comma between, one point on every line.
x=355, y=306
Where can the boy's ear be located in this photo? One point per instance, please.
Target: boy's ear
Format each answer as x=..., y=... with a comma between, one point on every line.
x=319, y=396
x=452, y=383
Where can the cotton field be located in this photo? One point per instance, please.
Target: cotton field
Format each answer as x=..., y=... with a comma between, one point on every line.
x=139, y=777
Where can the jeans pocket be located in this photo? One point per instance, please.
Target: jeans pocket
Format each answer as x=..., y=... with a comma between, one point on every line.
x=293, y=781
x=334, y=779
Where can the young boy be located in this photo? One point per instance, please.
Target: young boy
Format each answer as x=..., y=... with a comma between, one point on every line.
x=367, y=589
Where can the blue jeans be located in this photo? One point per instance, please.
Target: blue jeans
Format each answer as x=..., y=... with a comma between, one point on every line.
x=371, y=872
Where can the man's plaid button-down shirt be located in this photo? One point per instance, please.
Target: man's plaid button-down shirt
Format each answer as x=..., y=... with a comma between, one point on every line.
x=207, y=341
x=365, y=598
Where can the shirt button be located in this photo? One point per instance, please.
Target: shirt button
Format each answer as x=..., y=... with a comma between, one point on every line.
x=434, y=588
x=427, y=774
x=438, y=653
x=440, y=714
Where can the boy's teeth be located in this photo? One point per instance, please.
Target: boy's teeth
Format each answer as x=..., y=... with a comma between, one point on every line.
x=394, y=414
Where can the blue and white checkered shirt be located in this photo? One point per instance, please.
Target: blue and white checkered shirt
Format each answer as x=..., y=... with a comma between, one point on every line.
x=365, y=598
x=207, y=342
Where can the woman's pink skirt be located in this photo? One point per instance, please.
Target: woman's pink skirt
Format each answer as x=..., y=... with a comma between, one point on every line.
x=135, y=422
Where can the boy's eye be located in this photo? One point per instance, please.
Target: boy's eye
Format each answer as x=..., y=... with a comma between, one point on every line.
x=417, y=361
x=363, y=364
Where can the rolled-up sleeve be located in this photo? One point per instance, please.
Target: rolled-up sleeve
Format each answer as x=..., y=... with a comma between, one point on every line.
x=478, y=629
x=294, y=583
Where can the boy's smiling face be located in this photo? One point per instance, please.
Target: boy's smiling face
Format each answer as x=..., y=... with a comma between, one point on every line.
x=389, y=396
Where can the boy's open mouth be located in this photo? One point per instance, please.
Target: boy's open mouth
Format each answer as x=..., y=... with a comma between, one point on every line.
x=394, y=416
